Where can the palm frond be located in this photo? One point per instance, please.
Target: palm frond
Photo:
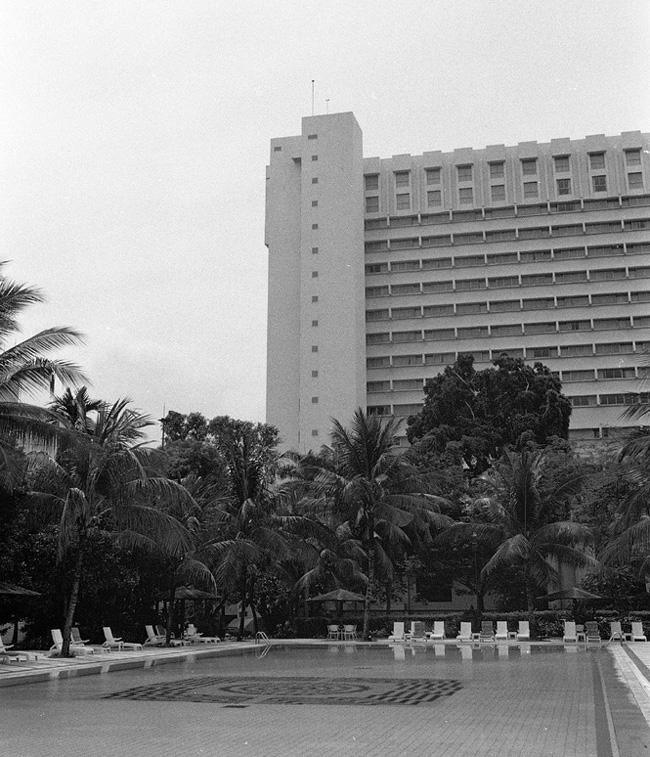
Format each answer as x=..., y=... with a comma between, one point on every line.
x=514, y=549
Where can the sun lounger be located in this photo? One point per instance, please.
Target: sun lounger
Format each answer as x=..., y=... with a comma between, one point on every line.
x=637, y=632
x=465, y=633
x=523, y=634
x=570, y=634
x=502, y=630
x=7, y=656
x=75, y=635
x=487, y=632
x=418, y=631
x=615, y=631
x=194, y=637
x=592, y=632
x=57, y=638
x=116, y=642
x=438, y=632
x=398, y=631
x=153, y=639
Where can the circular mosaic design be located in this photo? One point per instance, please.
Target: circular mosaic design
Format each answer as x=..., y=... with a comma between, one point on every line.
x=299, y=687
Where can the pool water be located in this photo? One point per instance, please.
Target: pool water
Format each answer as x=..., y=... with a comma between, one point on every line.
x=335, y=699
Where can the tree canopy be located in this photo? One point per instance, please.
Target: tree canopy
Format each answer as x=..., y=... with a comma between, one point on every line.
x=474, y=415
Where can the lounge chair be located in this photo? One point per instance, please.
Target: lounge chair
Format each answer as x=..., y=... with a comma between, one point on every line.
x=332, y=632
x=592, y=632
x=418, y=631
x=637, y=632
x=57, y=638
x=502, y=630
x=75, y=635
x=438, y=632
x=398, y=631
x=523, y=633
x=570, y=634
x=116, y=642
x=153, y=639
x=615, y=631
x=487, y=632
x=6, y=655
x=349, y=633
x=194, y=637
x=465, y=633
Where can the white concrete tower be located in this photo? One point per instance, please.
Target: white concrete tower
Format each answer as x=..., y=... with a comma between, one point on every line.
x=316, y=318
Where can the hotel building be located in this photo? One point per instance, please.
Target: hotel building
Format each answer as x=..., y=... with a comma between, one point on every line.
x=381, y=271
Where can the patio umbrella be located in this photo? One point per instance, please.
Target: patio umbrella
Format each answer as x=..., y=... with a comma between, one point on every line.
x=14, y=590
x=574, y=594
x=338, y=595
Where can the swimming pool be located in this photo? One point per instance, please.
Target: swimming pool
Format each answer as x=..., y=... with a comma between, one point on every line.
x=339, y=700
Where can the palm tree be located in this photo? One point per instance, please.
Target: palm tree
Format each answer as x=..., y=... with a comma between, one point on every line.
x=25, y=371
x=103, y=480
x=524, y=501
x=74, y=409
x=377, y=492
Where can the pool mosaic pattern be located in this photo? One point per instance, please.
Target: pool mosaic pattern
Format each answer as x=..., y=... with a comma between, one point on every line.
x=295, y=690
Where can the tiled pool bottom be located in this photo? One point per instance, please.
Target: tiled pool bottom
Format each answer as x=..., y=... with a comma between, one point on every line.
x=443, y=700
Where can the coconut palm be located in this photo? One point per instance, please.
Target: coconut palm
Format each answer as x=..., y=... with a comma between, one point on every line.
x=524, y=501
x=102, y=480
x=24, y=372
x=376, y=492
x=74, y=409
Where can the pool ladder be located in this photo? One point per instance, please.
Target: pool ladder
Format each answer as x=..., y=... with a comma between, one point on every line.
x=262, y=638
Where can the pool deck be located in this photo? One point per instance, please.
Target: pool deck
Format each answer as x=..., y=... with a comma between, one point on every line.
x=621, y=698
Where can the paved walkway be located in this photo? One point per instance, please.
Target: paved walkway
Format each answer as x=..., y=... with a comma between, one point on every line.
x=504, y=702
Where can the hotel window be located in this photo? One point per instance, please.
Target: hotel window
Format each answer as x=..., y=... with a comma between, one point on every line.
x=434, y=198
x=530, y=189
x=639, y=273
x=574, y=326
x=312, y=136
x=314, y=250
x=377, y=338
x=613, y=348
x=377, y=291
x=401, y=385
x=314, y=348
x=314, y=374
x=502, y=258
x=436, y=334
x=377, y=315
x=433, y=175
x=405, y=265
x=277, y=148
x=314, y=203
x=570, y=277
x=470, y=308
x=633, y=157
x=615, y=373
x=498, y=192
x=607, y=274
x=504, y=306
x=439, y=358
x=613, y=298
x=473, y=332
x=585, y=400
x=405, y=360
x=314, y=274
x=599, y=183
x=569, y=253
x=529, y=166
x=539, y=328
x=314, y=400
x=506, y=330
x=372, y=181
x=431, y=263
x=497, y=170
x=638, y=297
x=432, y=287
x=314, y=432
x=541, y=352
x=635, y=180
x=402, y=178
x=314, y=180
x=464, y=173
x=314, y=323
x=378, y=362
x=403, y=201
x=561, y=164
x=537, y=279
x=583, y=375
x=378, y=386
x=372, y=204
x=563, y=186
x=402, y=313
x=314, y=158
x=607, y=324
x=574, y=301
x=407, y=336
x=597, y=161
x=466, y=196
x=314, y=298
x=467, y=285
x=538, y=303
x=499, y=282
x=469, y=260
x=405, y=289
x=577, y=350
x=535, y=256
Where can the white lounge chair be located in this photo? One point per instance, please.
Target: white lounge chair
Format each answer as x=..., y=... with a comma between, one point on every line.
x=570, y=635
x=75, y=635
x=418, y=631
x=615, y=631
x=502, y=630
x=523, y=633
x=116, y=642
x=637, y=632
x=153, y=639
x=398, y=631
x=7, y=656
x=194, y=637
x=438, y=632
x=57, y=638
x=465, y=633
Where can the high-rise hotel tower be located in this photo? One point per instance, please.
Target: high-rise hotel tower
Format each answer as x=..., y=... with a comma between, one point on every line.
x=381, y=271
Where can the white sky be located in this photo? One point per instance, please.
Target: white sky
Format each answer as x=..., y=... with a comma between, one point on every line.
x=134, y=137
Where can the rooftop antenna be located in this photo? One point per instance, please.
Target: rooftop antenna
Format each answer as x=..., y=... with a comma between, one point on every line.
x=313, y=91
x=327, y=105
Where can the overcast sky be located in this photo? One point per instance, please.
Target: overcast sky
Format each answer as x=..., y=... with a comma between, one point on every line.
x=135, y=136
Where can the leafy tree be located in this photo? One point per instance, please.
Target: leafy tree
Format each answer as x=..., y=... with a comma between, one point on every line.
x=103, y=481
x=473, y=415
x=376, y=492
x=525, y=503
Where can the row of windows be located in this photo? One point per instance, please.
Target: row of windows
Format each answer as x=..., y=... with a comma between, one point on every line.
x=529, y=167
x=509, y=235
x=530, y=353
x=508, y=258
x=508, y=211
x=506, y=306
x=601, y=374
x=627, y=398
x=502, y=330
x=502, y=282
